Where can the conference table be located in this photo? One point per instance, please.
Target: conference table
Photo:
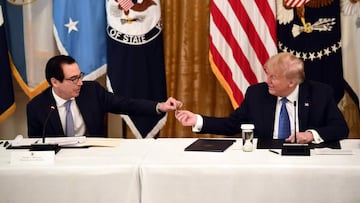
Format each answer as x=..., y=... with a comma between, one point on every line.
x=92, y=175
x=170, y=174
x=159, y=170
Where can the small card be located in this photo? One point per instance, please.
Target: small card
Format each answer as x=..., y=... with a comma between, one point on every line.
x=32, y=158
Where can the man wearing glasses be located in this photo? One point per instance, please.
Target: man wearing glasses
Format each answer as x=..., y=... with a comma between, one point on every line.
x=73, y=107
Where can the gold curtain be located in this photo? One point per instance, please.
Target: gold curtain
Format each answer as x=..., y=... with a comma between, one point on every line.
x=188, y=73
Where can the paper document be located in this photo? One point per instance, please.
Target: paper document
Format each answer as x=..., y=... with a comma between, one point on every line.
x=62, y=141
x=102, y=142
x=65, y=141
x=21, y=141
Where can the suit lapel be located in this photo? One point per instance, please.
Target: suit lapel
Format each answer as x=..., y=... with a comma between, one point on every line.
x=83, y=105
x=304, y=105
x=54, y=120
x=269, y=107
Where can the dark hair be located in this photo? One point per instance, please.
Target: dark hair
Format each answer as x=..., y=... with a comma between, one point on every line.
x=54, y=67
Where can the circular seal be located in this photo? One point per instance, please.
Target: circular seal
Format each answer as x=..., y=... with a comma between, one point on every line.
x=133, y=22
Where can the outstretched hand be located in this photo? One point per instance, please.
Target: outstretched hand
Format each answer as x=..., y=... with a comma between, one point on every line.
x=186, y=118
x=171, y=104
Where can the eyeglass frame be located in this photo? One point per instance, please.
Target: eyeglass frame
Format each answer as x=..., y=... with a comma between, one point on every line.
x=75, y=79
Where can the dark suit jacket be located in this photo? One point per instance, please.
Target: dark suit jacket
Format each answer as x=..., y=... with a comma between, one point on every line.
x=316, y=110
x=93, y=102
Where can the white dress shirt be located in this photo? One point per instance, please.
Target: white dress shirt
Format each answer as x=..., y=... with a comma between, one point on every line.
x=79, y=125
x=291, y=111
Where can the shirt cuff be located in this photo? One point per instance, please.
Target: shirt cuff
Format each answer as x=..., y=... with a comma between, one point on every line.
x=158, y=108
x=199, y=124
x=317, y=138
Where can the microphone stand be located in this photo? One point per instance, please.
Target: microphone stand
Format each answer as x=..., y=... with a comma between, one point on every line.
x=43, y=146
x=295, y=149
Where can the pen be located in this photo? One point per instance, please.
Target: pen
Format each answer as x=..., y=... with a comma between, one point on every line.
x=273, y=151
x=6, y=144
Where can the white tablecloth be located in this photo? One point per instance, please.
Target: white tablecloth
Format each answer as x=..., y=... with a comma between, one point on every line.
x=160, y=171
x=171, y=175
x=99, y=174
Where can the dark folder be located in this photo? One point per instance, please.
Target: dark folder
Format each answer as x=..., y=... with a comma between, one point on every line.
x=210, y=145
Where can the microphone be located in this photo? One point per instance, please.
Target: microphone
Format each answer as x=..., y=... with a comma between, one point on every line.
x=295, y=149
x=295, y=117
x=52, y=108
x=43, y=146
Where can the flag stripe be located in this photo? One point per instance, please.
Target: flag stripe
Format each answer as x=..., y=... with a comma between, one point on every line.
x=126, y=4
x=295, y=3
x=219, y=49
x=242, y=38
x=267, y=13
x=225, y=71
x=220, y=21
x=223, y=48
x=251, y=31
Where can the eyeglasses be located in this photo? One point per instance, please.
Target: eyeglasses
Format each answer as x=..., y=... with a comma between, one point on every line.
x=75, y=79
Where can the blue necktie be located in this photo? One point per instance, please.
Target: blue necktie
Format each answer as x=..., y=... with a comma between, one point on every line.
x=284, y=121
x=69, y=120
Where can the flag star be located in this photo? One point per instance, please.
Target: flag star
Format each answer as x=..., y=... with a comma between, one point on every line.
x=319, y=54
x=327, y=51
x=71, y=25
x=280, y=45
x=334, y=48
x=304, y=56
x=339, y=44
x=312, y=56
x=285, y=49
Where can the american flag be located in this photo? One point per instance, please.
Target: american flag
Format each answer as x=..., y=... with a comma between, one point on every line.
x=126, y=4
x=242, y=38
x=295, y=3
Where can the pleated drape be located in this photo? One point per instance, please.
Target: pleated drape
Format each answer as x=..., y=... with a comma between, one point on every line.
x=188, y=73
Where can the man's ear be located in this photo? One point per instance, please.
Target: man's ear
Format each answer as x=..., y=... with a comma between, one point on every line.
x=54, y=82
x=292, y=83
